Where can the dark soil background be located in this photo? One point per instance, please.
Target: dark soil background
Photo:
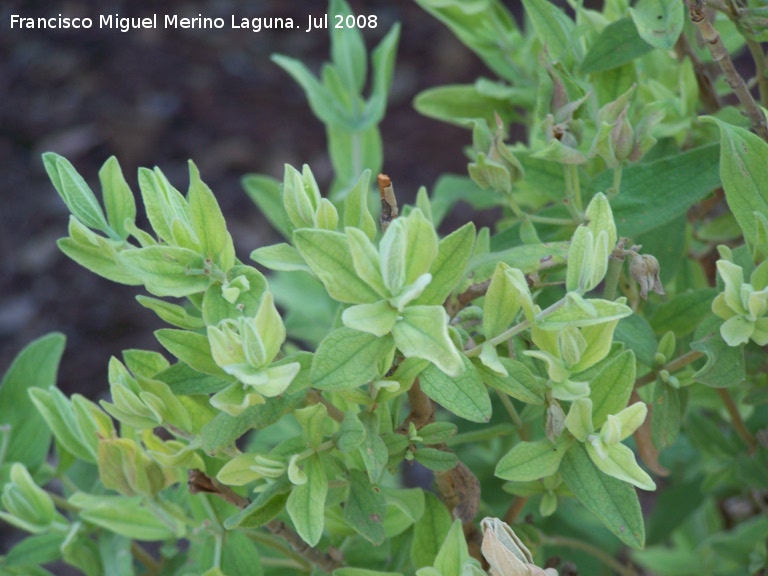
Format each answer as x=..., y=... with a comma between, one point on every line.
x=160, y=97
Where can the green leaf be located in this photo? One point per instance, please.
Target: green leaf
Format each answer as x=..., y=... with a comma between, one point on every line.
x=239, y=555
x=348, y=358
x=373, y=450
x=279, y=257
x=611, y=388
x=191, y=348
x=464, y=395
x=635, y=332
x=184, y=380
x=725, y=365
x=449, y=266
x=618, y=44
x=167, y=270
x=173, y=314
x=659, y=22
x=34, y=550
x=383, y=61
x=437, y=432
x=553, y=27
x=531, y=460
x=655, y=193
x=356, y=212
x=264, y=507
x=501, y=304
x=265, y=193
x=453, y=553
x=96, y=253
x=347, y=50
x=583, y=312
x=591, y=245
x=351, y=433
x=614, y=502
x=327, y=254
x=28, y=437
x=519, y=383
x=525, y=258
x=365, y=508
x=125, y=516
x=208, y=222
x=60, y=417
x=217, y=308
x=312, y=420
x=321, y=100
x=667, y=415
x=306, y=502
x=435, y=459
x=163, y=203
x=423, y=333
x=485, y=27
x=76, y=194
x=118, y=198
x=743, y=160
x=430, y=531
x=683, y=313
x=224, y=429
x=456, y=103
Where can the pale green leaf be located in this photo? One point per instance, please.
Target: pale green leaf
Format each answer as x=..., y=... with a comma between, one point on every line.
x=327, y=254
x=348, y=358
x=307, y=501
x=531, y=460
x=423, y=333
x=743, y=161
x=614, y=502
x=659, y=22
x=464, y=395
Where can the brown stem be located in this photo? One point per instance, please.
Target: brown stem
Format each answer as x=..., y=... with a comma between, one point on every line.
x=325, y=562
x=152, y=565
x=671, y=367
x=644, y=440
x=422, y=409
x=514, y=509
x=199, y=481
x=720, y=55
x=706, y=89
x=389, y=209
x=315, y=397
x=736, y=419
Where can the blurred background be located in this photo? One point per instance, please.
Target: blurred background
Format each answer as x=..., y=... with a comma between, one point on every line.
x=158, y=98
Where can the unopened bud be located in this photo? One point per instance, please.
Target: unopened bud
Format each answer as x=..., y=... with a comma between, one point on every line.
x=645, y=270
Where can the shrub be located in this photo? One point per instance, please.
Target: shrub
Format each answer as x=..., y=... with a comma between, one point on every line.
x=618, y=307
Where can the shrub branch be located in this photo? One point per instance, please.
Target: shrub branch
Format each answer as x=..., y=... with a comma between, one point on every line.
x=720, y=55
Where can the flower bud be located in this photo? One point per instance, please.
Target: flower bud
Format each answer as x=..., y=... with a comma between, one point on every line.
x=644, y=268
x=29, y=506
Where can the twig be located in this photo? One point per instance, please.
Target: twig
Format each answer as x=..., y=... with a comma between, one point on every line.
x=606, y=559
x=152, y=565
x=325, y=562
x=720, y=55
x=671, y=367
x=514, y=509
x=422, y=409
x=315, y=397
x=389, y=209
x=706, y=89
x=199, y=481
x=736, y=420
